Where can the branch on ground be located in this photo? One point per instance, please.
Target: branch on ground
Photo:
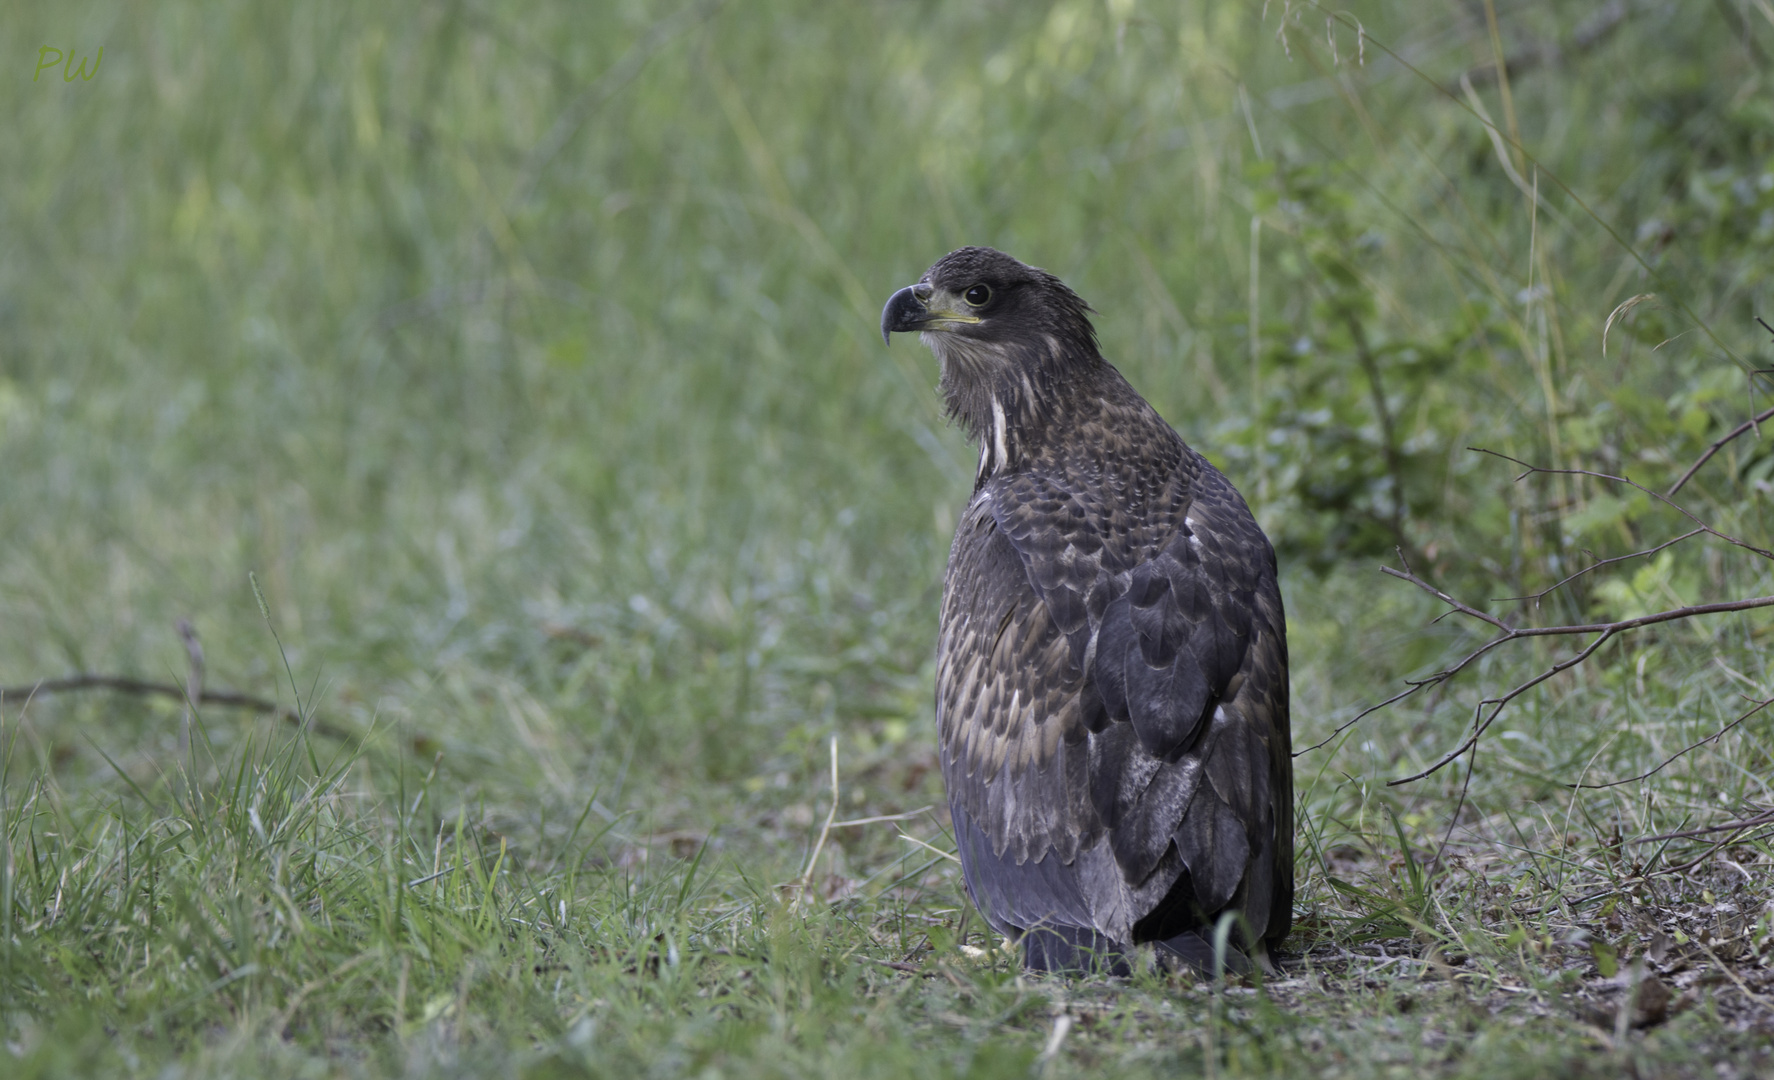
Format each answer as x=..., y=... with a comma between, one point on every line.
x=125, y=684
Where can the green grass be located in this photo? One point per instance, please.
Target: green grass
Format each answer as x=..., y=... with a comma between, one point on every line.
x=526, y=357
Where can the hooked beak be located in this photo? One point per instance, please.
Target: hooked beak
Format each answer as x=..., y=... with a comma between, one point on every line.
x=919, y=307
x=905, y=311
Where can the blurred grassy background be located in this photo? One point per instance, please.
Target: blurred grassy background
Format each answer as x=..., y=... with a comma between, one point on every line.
x=527, y=355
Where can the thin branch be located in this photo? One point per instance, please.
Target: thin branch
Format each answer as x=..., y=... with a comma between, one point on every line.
x=1605, y=632
x=1766, y=817
x=1486, y=712
x=1671, y=758
x=124, y=684
x=1765, y=414
x=1753, y=423
x=1664, y=499
x=1510, y=632
x=1464, y=609
x=1738, y=830
x=1402, y=694
x=1543, y=593
x=1482, y=723
x=1652, y=619
x=1454, y=818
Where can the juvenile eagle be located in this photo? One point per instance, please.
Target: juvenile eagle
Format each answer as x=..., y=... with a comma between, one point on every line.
x=1111, y=688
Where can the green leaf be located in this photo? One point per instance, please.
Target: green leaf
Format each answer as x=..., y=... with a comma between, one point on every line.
x=1607, y=961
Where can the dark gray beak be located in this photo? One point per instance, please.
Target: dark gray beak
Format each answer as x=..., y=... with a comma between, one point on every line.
x=905, y=311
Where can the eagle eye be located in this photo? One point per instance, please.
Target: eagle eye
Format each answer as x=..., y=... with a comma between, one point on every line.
x=977, y=295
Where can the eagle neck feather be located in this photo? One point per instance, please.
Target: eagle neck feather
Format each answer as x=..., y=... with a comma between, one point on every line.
x=1010, y=397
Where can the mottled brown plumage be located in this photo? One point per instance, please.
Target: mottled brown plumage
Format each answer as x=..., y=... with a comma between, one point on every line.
x=1112, y=701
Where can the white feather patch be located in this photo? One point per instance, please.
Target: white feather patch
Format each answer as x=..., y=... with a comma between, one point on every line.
x=998, y=433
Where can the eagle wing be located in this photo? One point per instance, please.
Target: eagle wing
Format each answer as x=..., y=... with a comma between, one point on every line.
x=1010, y=710
x=1097, y=663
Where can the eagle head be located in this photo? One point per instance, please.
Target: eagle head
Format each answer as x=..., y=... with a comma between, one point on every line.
x=1003, y=332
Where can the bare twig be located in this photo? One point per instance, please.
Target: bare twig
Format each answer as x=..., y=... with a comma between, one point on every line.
x=1464, y=609
x=1604, y=632
x=124, y=684
x=1760, y=705
x=1766, y=817
x=1664, y=499
x=1363, y=714
x=1737, y=830
x=1486, y=712
x=1747, y=425
x=1482, y=723
x=1509, y=633
x=1652, y=619
x=1454, y=818
x=1754, y=423
x=1543, y=593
